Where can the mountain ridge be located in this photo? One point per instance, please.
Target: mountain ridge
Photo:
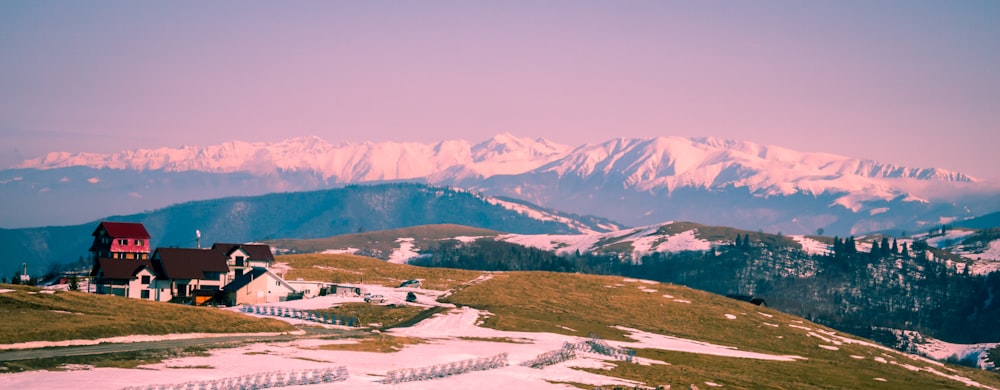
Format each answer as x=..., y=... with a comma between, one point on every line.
x=636, y=181
x=237, y=156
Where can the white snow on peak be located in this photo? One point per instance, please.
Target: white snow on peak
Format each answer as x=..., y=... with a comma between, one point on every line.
x=674, y=162
x=643, y=164
x=344, y=162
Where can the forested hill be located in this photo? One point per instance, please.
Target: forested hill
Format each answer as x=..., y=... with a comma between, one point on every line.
x=865, y=292
x=310, y=214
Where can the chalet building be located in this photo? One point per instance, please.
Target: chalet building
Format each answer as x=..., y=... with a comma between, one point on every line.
x=189, y=275
x=123, y=277
x=244, y=257
x=120, y=252
x=123, y=266
x=120, y=240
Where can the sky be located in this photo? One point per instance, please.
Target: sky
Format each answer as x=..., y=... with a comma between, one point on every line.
x=913, y=82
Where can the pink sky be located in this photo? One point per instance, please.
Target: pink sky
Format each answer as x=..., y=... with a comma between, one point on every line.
x=906, y=82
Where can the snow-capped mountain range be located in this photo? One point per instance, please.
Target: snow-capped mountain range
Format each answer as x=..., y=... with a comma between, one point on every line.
x=626, y=179
x=341, y=163
x=646, y=163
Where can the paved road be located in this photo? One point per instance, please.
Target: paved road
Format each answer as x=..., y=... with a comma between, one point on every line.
x=98, y=349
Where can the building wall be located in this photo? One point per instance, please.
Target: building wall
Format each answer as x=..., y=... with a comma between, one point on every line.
x=310, y=289
x=264, y=289
x=160, y=291
x=135, y=286
x=121, y=247
x=233, y=266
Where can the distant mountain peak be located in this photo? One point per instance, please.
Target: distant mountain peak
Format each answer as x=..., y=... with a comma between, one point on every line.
x=634, y=177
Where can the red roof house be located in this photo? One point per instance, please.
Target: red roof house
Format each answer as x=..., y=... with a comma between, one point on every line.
x=120, y=240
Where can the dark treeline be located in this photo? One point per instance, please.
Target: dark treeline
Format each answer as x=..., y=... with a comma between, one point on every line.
x=891, y=286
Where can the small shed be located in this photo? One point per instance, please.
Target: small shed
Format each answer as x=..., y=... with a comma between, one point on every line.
x=346, y=290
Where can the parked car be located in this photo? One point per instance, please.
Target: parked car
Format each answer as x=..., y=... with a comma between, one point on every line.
x=375, y=298
x=410, y=283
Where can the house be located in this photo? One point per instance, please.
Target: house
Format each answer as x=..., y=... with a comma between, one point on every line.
x=120, y=240
x=123, y=266
x=256, y=286
x=124, y=277
x=243, y=257
x=120, y=252
x=189, y=275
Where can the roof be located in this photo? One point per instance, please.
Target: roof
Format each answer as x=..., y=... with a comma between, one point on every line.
x=121, y=269
x=122, y=229
x=248, y=277
x=187, y=263
x=257, y=252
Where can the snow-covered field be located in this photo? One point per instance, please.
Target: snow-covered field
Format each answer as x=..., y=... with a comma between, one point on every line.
x=450, y=337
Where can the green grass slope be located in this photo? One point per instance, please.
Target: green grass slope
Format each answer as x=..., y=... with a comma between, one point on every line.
x=383, y=241
x=30, y=314
x=580, y=305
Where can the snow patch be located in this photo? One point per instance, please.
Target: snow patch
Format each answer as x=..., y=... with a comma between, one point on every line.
x=404, y=253
x=348, y=251
x=811, y=246
x=670, y=343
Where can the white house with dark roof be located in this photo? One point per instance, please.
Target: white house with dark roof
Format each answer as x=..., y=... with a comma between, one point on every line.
x=256, y=286
x=124, y=267
x=125, y=277
x=194, y=275
x=243, y=257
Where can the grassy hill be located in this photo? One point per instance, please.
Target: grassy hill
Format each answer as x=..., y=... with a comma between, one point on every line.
x=611, y=307
x=580, y=305
x=31, y=314
x=382, y=241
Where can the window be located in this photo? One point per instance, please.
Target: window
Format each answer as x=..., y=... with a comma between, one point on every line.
x=145, y=279
x=144, y=294
x=138, y=242
x=239, y=273
x=239, y=261
x=122, y=242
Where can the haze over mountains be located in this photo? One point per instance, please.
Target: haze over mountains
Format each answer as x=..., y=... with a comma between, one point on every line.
x=635, y=181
